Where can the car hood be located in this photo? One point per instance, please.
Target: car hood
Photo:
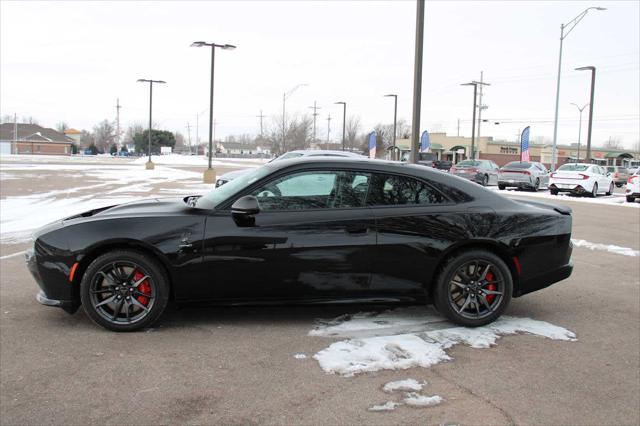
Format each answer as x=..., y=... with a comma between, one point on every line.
x=148, y=207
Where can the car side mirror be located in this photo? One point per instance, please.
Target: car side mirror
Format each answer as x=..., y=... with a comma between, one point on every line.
x=243, y=209
x=245, y=206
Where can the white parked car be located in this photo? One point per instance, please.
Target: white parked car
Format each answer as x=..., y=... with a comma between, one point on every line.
x=581, y=179
x=633, y=187
x=229, y=176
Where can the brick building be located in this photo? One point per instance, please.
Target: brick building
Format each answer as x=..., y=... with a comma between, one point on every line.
x=24, y=138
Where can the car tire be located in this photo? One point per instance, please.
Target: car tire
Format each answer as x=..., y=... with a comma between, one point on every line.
x=453, y=308
x=630, y=199
x=126, y=288
x=536, y=187
x=610, y=192
x=553, y=191
x=594, y=191
x=501, y=187
x=485, y=180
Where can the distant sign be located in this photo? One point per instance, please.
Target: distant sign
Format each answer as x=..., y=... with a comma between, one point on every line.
x=165, y=150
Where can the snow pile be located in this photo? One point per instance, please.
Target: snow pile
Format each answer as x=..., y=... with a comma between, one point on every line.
x=419, y=348
x=412, y=397
x=610, y=200
x=201, y=160
x=625, y=251
x=300, y=356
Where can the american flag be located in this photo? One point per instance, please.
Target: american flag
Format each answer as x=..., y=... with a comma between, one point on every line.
x=524, y=145
x=373, y=138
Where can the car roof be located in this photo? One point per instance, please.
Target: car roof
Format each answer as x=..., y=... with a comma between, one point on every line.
x=320, y=152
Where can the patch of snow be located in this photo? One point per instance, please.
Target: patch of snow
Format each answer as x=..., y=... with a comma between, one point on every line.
x=611, y=200
x=422, y=348
x=300, y=356
x=416, y=400
x=201, y=160
x=407, y=385
x=9, y=256
x=625, y=251
x=387, y=406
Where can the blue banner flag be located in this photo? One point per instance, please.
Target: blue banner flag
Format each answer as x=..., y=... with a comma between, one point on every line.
x=524, y=145
x=373, y=140
x=425, y=142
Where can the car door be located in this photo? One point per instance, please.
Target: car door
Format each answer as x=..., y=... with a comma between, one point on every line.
x=415, y=222
x=312, y=239
x=603, y=180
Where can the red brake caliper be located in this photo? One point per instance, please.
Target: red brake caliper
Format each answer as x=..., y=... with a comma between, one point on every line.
x=144, y=287
x=491, y=287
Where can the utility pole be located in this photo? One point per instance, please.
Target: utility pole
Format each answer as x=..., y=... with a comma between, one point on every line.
x=261, y=116
x=481, y=106
x=15, y=134
x=315, y=114
x=118, y=106
x=475, y=85
x=417, y=81
x=189, y=136
x=458, y=127
x=328, y=129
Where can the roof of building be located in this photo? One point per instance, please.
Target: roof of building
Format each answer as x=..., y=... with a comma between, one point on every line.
x=32, y=133
x=72, y=132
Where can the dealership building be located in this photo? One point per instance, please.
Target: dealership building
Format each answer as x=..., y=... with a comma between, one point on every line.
x=25, y=138
x=457, y=148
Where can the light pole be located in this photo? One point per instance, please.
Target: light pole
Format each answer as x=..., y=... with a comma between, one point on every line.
x=395, y=121
x=475, y=85
x=209, y=174
x=150, y=165
x=344, y=119
x=580, y=126
x=570, y=25
x=593, y=86
x=417, y=81
x=286, y=96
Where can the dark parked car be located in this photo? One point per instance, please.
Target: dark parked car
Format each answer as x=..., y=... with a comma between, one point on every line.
x=428, y=159
x=618, y=174
x=484, y=172
x=313, y=230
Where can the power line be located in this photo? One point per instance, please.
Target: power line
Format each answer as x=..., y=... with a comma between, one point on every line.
x=315, y=114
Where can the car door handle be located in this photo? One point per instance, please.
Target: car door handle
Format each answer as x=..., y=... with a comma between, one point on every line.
x=358, y=230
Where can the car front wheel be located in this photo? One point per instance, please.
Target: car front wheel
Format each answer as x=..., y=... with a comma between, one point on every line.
x=536, y=186
x=630, y=199
x=124, y=290
x=594, y=191
x=473, y=288
x=610, y=191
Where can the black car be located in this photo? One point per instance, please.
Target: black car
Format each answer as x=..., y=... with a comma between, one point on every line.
x=312, y=231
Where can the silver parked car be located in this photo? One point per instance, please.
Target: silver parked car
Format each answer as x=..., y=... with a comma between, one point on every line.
x=287, y=156
x=523, y=175
x=484, y=172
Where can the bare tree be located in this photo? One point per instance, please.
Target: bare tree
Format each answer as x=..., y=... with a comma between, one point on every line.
x=297, y=135
x=613, y=142
x=105, y=135
x=62, y=126
x=352, y=129
x=131, y=132
x=29, y=120
x=87, y=139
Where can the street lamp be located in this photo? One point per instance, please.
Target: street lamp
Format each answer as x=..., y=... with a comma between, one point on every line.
x=344, y=118
x=286, y=96
x=475, y=85
x=580, y=126
x=395, y=120
x=571, y=25
x=209, y=174
x=593, y=86
x=150, y=165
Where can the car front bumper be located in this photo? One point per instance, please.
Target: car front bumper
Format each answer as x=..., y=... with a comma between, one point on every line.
x=70, y=306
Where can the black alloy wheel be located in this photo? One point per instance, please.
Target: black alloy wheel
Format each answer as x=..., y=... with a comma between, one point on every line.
x=610, y=191
x=473, y=288
x=124, y=291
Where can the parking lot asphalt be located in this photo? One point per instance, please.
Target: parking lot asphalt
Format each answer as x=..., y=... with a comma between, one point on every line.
x=237, y=366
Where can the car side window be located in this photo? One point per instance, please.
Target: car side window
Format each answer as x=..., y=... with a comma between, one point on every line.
x=313, y=190
x=391, y=190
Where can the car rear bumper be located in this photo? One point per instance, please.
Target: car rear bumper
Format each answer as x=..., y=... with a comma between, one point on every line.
x=515, y=183
x=477, y=178
x=572, y=188
x=545, y=280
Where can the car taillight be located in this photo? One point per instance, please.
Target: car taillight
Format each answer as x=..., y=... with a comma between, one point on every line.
x=631, y=178
x=584, y=177
x=552, y=175
x=526, y=172
x=473, y=170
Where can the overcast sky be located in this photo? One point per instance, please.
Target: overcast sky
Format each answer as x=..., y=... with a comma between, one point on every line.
x=69, y=61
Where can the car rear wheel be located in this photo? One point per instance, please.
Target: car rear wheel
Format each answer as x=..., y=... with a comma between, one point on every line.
x=594, y=191
x=553, y=191
x=610, y=189
x=124, y=290
x=473, y=288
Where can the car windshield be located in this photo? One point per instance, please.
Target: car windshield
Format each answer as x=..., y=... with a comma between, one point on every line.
x=468, y=163
x=289, y=155
x=517, y=165
x=221, y=193
x=573, y=167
